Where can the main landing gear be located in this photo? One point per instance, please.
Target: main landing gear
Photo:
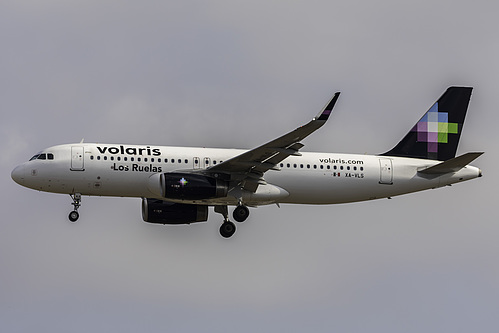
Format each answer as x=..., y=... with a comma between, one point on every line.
x=228, y=228
x=73, y=216
x=241, y=213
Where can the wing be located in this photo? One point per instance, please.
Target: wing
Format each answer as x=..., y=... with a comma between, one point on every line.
x=249, y=167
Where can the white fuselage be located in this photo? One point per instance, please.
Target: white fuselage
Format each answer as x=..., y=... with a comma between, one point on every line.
x=312, y=178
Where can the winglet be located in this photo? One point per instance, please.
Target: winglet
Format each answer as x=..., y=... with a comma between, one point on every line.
x=326, y=112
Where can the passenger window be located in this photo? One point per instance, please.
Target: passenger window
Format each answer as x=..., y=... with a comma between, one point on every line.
x=186, y=161
x=91, y=157
x=105, y=158
x=179, y=161
x=118, y=158
x=132, y=159
x=112, y=158
x=173, y=160
x=138, y=159
x=288, y=165
x=124, y=158
x=98, y=158
x=152, y=159
x=145, y=159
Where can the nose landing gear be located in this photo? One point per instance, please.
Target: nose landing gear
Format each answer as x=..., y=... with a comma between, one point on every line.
x=74, y=215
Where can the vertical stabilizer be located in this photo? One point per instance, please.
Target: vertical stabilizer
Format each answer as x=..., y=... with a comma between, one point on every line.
x=436, y=135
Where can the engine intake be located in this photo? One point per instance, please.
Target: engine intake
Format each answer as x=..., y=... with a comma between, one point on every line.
x=164, y=212
x=186, y=186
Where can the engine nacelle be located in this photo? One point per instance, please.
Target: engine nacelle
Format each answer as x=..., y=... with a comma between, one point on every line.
x=164, y=212
x=186, y=186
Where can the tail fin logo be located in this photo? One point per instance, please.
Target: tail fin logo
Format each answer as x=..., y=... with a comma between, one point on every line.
x=436, y=135
x=434, y=128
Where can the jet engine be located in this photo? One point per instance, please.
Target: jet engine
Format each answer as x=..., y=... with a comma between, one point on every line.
x=164, y=212
x=186, y=186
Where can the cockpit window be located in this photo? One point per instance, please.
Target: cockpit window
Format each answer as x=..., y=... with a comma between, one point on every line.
x=43, y=156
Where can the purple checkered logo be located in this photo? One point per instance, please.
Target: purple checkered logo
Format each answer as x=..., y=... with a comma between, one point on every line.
x=183, y=182
x=434, y=128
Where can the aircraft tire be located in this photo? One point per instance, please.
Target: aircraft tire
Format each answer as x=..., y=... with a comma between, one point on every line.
x=227, y=229
x=241, y=213
x=73, y=216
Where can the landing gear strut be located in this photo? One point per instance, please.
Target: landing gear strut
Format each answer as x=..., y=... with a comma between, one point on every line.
x=228, y=228
x=73, y=216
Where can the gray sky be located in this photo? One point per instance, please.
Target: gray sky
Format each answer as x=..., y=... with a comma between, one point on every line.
x=230, y=74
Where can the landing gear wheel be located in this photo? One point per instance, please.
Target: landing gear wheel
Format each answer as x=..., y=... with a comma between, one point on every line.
x=241, y=213
x=73, y=216
x=227, y=229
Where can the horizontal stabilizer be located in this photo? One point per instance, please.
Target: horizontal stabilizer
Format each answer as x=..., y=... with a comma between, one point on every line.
x=452, y=165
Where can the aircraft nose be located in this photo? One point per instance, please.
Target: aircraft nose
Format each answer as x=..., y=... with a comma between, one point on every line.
x=18, y=174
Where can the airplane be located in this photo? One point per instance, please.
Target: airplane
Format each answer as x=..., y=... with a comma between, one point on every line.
x=178, y=184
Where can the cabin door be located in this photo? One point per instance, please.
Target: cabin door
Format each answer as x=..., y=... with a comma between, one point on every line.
x=77, y=163
x=386, y=171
